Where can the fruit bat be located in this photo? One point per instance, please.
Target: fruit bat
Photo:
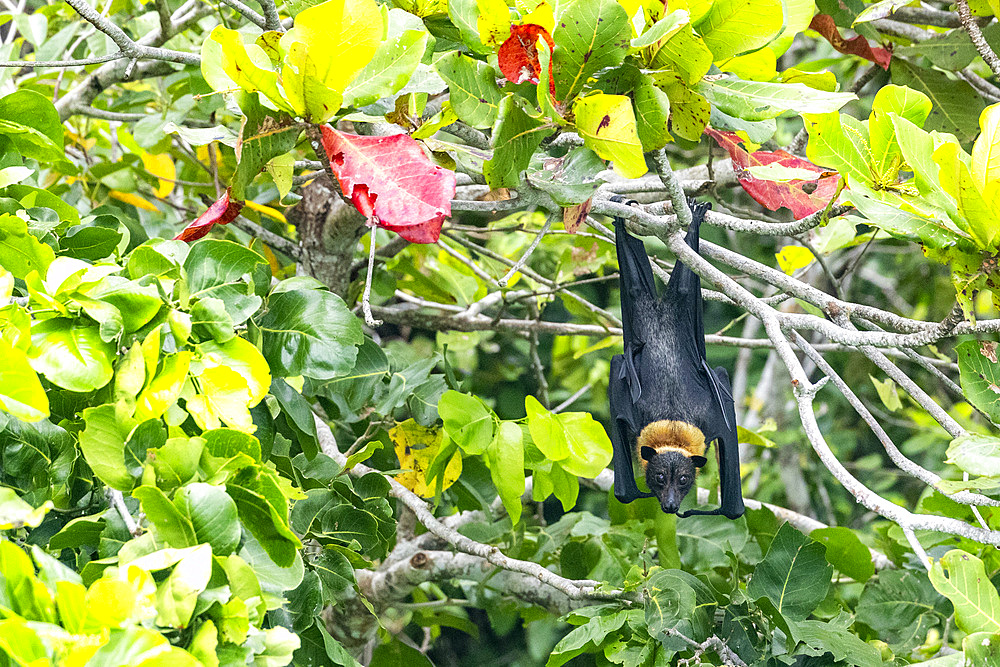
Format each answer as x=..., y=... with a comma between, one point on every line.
x=667, y=404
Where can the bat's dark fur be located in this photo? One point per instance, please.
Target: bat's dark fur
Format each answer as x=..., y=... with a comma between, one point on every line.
x=666, y=403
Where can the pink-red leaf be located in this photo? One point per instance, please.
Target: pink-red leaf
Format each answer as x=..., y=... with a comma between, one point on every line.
x=222, y=212
x=392, y=183
x=855, y=46
x=802, y=197
x=518, y=55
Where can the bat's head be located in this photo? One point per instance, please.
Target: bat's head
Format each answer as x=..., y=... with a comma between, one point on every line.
x=671, y=453
x=669, y=475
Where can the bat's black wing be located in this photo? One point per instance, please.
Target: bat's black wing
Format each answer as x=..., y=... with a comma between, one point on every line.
x=625, y=386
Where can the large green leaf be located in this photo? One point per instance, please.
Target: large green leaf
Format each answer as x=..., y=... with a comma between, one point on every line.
x=467, y=421
x=961, y=577
x=32, y=122
x=901, y=605
x=516, y=135
x=103, y=444
x=590, y=35
x=845, y=552
x=472, y=86
x=505, y=457
x=20, y=252
x=71, y=355
x=976, y=454
x=217, y=268
x=794, y=574
x=980, y=373
x=837, y=640
x=956, y=104
x=309, y=332
x=733, y=27
x=753, y=100
x=212, y=515
x=263, y=136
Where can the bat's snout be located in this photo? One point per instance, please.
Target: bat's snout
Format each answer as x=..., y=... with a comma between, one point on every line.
x=670, y=503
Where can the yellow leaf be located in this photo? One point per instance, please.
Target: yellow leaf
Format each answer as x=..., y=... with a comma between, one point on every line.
x=607, y=125
x=791, y=258
x=161, y=166
x=266, y=210
x=416, y=446
x=134, y=199
x=986, y=151
x=330, y=43
x=539, y=13
x=493, y=22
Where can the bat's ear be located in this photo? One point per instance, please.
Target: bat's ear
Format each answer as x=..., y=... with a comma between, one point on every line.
x=647, y=453
x=698, y=461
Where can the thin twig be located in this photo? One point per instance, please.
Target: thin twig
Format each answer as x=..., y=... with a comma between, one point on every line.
x=366, y=303
x=519, y=264
x=978, y=40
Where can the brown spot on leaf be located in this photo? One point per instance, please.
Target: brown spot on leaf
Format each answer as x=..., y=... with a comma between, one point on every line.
x=988, y=349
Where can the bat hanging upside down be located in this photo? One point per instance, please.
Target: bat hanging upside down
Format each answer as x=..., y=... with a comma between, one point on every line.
x=666, y=402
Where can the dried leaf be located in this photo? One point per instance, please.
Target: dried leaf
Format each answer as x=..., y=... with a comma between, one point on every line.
x=518, y=55
x=855, y=46
x=802, y=197
x=222, y=212
x=573, y=216
x=416, y=447
x=392, y=183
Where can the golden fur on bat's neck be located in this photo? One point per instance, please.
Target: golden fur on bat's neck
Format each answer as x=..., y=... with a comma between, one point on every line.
x=668, y=435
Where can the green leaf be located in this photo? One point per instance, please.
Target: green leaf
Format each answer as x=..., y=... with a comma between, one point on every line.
x=976, y=454
x=754, y=101
x=21, y=392
x=475, y=96
x=467, y=421
x=734, y=27
x=571, y=179
x=71, y=355
x=516, y=135
x=838, y=641
x=586, y=637
x=982, y=648
x=311, y=333
x=505, y=457
x=845, y=552
x=172, y=527
x=264, y=136
x=690, y=111
x=841, y=143
x=607, y=125
x=217, y=268
x=103, y=445
x=684, y=53
x=888, y=393
x=20, y=252
x=263, y=509
x=678, y=600
x=794, y=574
x=980, y=375
x=32, y=122
x=956, y=104
x=247, y=65
x=901, y=606
x=589, y=36
x=394, y=62
x=961, y=577
x=241, y=356
x=209, y=319
x=222, y=398
x=546, y=431
x=212, y=515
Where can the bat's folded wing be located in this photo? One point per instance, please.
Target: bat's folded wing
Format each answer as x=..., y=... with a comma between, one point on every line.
x=622, y=428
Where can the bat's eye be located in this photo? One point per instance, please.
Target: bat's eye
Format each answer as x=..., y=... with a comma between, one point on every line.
x=660, y=478
x=684, y=479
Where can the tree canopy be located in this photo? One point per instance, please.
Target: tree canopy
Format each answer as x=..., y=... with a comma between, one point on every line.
x=307, y=310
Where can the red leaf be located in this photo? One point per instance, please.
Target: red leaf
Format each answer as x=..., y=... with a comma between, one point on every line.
x=392, y=183
x=518, y=55
x=803, y=197
x=222, y=212
x=855, y=46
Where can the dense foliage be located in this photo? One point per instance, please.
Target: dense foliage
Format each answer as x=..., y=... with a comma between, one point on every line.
x=235, y=429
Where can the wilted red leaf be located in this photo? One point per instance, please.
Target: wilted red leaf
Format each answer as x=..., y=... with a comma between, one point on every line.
x=855, y=46
x=518, y=55
x=222, y=212
x=392, y=183
x=802, y=197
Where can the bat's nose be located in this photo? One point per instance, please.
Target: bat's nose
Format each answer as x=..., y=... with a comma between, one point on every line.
x=669, y=506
